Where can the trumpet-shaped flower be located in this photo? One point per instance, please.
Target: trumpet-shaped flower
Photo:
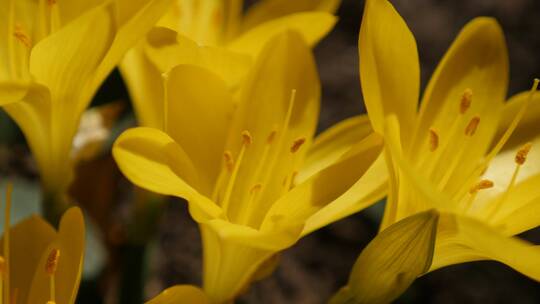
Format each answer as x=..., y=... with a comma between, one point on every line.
x=253, y=176
x=54, y=55
x=463, y=153
x=216, y=35
x=39, y=264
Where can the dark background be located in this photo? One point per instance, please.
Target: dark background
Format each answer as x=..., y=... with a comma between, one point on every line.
x=319, y=264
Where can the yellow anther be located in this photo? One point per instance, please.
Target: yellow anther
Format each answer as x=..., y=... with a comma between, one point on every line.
x=433, y=139
x=521, y=155
x=51, y=2
x=256, y=188
x=472, y=126
x=297, y=144
x=229, y=161
x=21, y=36
x=466, y=100
x=481, y=185
x=246, y=138
x=52, y=261
x=271, y=137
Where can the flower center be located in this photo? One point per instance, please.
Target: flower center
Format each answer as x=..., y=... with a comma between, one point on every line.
x=270, y=154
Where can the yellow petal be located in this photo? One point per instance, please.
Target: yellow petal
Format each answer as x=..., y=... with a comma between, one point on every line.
x=29, y=239
x=527, y=129
x=477, y=60
x=135, y=18
x=152, y=160
x=199, y=110
x=145, y=87
x=67, y=69
x=392, y=261
x=286, y=65
x=167, y=49
x=333, y=143
x=313, y=26
x=462, y=239
x=70, y=10
x=12, y=91
x=329, y=188
x=266, y=10
x=389, y=68
x=234, y=253
x=70, y=241
x=180, y=294
x=517, y=213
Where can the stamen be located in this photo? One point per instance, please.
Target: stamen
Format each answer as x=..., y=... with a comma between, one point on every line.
x=271, y=137
x=50, y=268
x=21, y=36
x=520, y=158
x=481, y=185
x=229, y=161
x=521, y=155
x=256, y=188
x=246, y=137
x=466, y=100
x=246, y=141
x=11, y=46
x=297, y=144
x=433, y=139
x=472, y=126
x=55, y=16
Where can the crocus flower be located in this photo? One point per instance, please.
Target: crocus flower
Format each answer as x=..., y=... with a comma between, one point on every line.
x=39, y=264
x=461, y=155
x=53, y=56
x=216, y=35
x=253, y=176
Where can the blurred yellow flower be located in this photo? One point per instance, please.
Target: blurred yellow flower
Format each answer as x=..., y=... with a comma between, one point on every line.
x=462, y=154
x=54, y=55
x=216, y=35
x=255, y=179
x=39, y=264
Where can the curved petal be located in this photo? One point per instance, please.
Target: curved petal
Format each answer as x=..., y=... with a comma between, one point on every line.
x=267, y=10
x=332, y=144
x=461, y=239
x=180, y=294
x=167, y=49
x=134, y=18
x=476, y=61
x=152, y=160
x=285, y=70
x=199, y=110
x=13, y=91
x=313, y=26
x=28, y=240
x=326, y=188
x=70, y=242
x=145, y=86
x=392, y=261
x=229, y=266
x=389, y=68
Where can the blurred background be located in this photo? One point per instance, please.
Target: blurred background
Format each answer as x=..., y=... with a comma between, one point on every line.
x=319, y=264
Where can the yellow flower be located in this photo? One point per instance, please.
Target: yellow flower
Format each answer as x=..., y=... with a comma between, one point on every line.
x=180, y=294
x=456, y=154
x=218, y=36
x=54, y=56
x=255, y=179
x=39, y=264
